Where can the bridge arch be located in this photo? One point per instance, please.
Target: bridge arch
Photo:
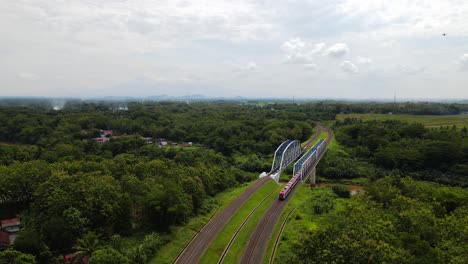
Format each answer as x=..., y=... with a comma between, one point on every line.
x=286, y=153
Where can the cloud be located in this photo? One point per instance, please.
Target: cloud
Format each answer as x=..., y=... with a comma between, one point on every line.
x=337, y=50
x=349, y=67
x=298, y=51
x=311, y=67
x=410, y=70
x=463, y=61
x=406, y=18
x=249, y=67
x=29, y=76
x=363, y=60
x=93, y=44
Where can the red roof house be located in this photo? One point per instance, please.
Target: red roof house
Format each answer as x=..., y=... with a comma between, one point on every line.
x=8, y=231
x=4, y=240
x=11, y=225
x=108, y=132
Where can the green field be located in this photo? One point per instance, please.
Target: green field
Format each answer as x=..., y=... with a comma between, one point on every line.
x=323, y=135
x=218, y=245
x=301, y=193
x=427, y=120
x=181, y=235
x=235, y=252
x=301, y=220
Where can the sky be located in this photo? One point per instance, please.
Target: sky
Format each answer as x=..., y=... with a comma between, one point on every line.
x=353, y=49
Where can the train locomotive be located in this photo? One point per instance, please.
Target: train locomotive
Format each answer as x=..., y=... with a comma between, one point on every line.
x=289, y=186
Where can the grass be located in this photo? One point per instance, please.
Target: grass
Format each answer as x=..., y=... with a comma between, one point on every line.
x=311, y=136
x=235, y=252
x=181, y=235
x=428, y=120
x=298, y=198
x=355, y=181
x=301, y=220
x=323, y=135
x=216, y=248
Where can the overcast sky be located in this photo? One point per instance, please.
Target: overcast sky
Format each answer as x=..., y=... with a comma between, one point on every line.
x=314, y=49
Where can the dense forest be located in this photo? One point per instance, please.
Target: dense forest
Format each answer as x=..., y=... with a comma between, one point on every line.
x=78, y=195
x=379, y=148
x=70, y=190
x=397, y=220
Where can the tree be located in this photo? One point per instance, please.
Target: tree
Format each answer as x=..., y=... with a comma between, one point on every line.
x=29, y=241
x=86, y=246
x=11, y=256
x=341, y=191
x=108, y=256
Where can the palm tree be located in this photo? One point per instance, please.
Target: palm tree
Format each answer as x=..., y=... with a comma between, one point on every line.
x=85, y=246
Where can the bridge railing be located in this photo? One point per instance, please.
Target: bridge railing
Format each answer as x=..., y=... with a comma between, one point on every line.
x=308, y=161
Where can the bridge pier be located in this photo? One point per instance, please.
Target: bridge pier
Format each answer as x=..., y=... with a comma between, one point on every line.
x=313, y=176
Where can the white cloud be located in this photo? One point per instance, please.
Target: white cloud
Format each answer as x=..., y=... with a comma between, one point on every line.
x=311, y=67
x=407, y=18
x=464, y=58
x=363, y=60
x=463, y=61
x=410, y=70
x=349, y=67
x=29, y=76
x=249, y=67
x=338, y=50
x=298, y=51
x=93, y=44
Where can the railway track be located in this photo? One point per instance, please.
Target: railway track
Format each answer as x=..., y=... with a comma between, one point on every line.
x=311, y=140
x=278, y=237
x=197, y=246
x=226, y=250
x=195, y=249
x=258, y=242
x=259, y=239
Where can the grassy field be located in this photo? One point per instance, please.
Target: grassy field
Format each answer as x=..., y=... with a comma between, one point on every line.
x=302, y=217
x=323, y=135
x=235, y=252
x=181, y=235
x=216, y=248
x=301, y=220
x=298, y=198
x=428, y=120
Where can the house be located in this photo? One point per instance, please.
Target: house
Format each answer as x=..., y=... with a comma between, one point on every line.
x=101, y=139
x=107, y=132
x=187, y=144
x=75, y=258
x=9, y=229
x=4, y=240
x=148, y=140
x=162, y=142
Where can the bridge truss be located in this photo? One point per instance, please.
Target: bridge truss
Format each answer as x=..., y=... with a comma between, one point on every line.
x=305, y=166
x=286, y=153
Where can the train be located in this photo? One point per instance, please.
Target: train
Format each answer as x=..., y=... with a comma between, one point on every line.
x=313, y=153
x=289, y=186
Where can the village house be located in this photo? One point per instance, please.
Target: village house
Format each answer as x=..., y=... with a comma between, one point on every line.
x=9, y=229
